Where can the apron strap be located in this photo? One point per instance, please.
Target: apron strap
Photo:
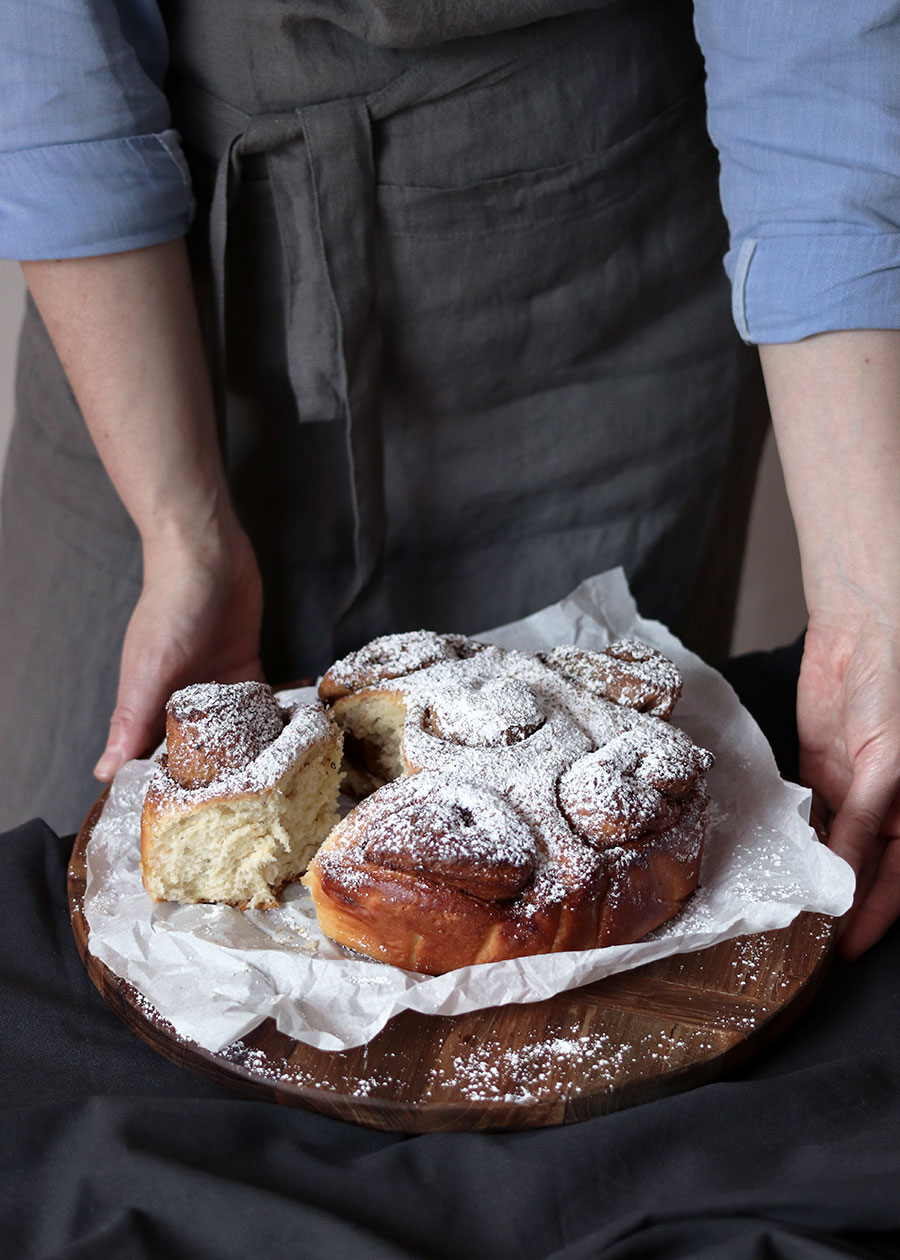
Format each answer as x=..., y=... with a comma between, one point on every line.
x=323, y=183
x=333, y=325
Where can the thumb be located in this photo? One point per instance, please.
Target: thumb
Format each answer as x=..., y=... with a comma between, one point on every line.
x=136, y=720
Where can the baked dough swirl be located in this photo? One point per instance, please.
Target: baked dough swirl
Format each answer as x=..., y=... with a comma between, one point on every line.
x=514, y=803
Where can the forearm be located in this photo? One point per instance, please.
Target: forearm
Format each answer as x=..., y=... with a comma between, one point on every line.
x=836, y=407
x=126, y=330
x=835, y=402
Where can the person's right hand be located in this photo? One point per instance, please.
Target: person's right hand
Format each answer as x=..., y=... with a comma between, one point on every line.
x=126, y=329
x=197, y=620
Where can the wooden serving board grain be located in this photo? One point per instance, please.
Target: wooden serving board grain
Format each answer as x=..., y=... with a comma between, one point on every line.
x=657, y=1030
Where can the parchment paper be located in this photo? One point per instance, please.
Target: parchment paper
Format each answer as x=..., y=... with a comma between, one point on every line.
x=216, y=973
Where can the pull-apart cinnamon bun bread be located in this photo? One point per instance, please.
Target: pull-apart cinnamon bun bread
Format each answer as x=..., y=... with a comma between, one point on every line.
x=514, y=804
x=242, y=798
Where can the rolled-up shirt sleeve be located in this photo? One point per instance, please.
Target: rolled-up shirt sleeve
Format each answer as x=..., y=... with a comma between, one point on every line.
x=89, y=163
x=804, y=108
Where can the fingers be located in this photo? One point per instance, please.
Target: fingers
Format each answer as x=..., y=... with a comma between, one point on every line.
x=136, y=721
x=129, y=736
x=146, y=681
x=847, y=703
x=820, y=816
x=871, y=917
x=148, y=672
x=858, y=836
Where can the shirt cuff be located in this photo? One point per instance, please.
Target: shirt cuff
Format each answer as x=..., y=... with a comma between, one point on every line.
x=785, y=288
x=93, y=197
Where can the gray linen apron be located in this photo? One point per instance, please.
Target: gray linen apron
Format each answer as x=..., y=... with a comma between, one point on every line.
x=464, y=298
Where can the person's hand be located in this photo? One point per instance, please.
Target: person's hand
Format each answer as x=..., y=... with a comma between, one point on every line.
x=197, y=620
x=848, y=713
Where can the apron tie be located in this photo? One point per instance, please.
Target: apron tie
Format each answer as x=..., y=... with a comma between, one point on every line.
x=323, y=184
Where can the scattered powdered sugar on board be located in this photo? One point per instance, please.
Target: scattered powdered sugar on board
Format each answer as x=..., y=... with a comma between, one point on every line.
x=253, y=1060
x=562, y=1064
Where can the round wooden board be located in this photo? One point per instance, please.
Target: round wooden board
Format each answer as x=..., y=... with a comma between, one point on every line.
x=656, y=1030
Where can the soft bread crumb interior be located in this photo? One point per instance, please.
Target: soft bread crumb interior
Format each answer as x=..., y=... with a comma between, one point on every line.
x=373, y=728
x=244, y=850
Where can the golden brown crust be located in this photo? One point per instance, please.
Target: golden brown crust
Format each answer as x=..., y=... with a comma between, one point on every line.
x=420, y=922
x=212, y=729
x=423, y=924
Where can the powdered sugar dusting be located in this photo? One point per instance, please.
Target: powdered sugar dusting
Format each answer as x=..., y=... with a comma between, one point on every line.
x=626, y=672
x=301, y=727
x=542, y=724
x=390, y=656
x=564, y=1063
x=448, y=824
x=604, y=804
x=631, y=784
x=213, y=727
x=486, y=713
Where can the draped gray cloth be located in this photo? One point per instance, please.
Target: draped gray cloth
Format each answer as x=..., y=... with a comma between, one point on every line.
x=471, y=336
x=108, y=1149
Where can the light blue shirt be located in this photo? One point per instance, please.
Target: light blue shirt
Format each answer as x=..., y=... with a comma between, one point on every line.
x=88, y=162
x=804, y=107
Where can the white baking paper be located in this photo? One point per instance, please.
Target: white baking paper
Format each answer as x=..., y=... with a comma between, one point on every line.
x=215, y=973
